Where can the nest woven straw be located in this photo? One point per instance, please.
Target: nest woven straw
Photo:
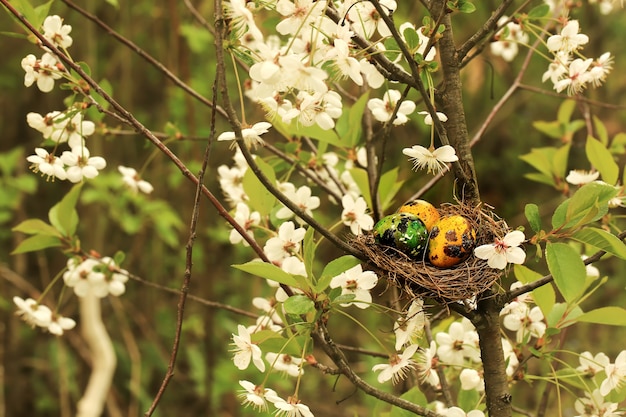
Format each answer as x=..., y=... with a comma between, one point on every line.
x=421, y=279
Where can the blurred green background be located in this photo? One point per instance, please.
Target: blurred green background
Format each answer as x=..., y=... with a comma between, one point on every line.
x=44, y=376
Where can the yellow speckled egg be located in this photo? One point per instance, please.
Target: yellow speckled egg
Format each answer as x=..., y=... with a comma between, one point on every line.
x=452, y=239
x=425, y=211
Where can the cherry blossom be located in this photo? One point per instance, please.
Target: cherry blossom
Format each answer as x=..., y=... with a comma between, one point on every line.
x=411, y=324
x=503, y=251
x=287, y=364
x=615, y=374
x=355, y=215
x=590, y=365
x=358, y=282
x=131, y=179
x=286, y=244
x=569, y=40
x=302, y=198
x=428, y=119
x=80, y=165
x=255, y=395
x=49, y=165
x=246, y=219
x=246, y=351
x=56, y=32
x=42, y=71
x=580, y=177
x=382, y=110
x=594, y=405
x=435, y=160
x=32, y=312
x=292, y=407
x=251, y=135
x=398, y=366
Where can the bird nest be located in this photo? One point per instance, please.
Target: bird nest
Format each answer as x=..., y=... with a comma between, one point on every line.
x=421, y=279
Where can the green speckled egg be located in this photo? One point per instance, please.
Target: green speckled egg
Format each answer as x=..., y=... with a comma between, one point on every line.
x=403, y=231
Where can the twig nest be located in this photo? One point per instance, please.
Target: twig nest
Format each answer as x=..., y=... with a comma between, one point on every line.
x=445, y=281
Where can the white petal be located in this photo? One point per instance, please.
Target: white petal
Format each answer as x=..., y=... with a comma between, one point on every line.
x=514, y=238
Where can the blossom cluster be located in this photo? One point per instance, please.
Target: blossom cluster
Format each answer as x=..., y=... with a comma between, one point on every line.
x=39, y=315
x=291, y=75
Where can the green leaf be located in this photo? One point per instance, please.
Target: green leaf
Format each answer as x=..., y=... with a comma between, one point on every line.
x=567, y=269
x=614, y=316
x=468, y=399
x=260, y=199
x=339, y=265
x=412, y=38
x=602, y=160
x=466, y=7
x=268, y=271
x=566, y=109
x=299, y=304
x=414, y=396
x=552, y=129
x=544, y=296
x=359, y=176
x=532, y=215
x=538, y=12
x=315, y=132
x=389, y=187
x=344, y=298
x=36, y=227
x=355, y=116
x=601, y=239
x=35, y=243
x=589, y=203
x=600, y=130
x=63, y=215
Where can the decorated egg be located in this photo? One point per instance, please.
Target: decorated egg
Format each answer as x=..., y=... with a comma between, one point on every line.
x=403, y=231
x=452, y=239
x=425, y=211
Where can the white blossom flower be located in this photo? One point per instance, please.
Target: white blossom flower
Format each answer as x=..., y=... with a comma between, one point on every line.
x=285, y=244
x=382, y=110
x=411, y=324
x=358, y=282
x=397, y=367
x=298, y=14
x=347, y=65
x=615, y=374
x=303, y=199
x=49, y=165
x=32, y=312
x=241, y=19
x=246, y=219
x=246, y=351
x=301, y=76
x=56, y=32
x=435, y=160
x=557, y=68
x=44, y=124
x=373, y=77
x=427, y=362
x=318, y=108
x=251, y=135
x=282, y=362
x=580, y=177
x=503, y=251
x=451, y=345
x=85, y=277
x=507, y=39
x=576, y=77
x=526, y=322
x=458, y=412
x=600, y=68
x=131, y=179
x=72, y=130
x=80, y=165
x=41, y=71
x=590, y=365
x=292, y=407
x=428, y=119
x=231, y=183
x=58, y=324
x=366, y=20
x=294, y=266
x=255, y=395
x=355, y=215
x=569, y=40
x=471, y=379
x=594, y=405
x=510, y=357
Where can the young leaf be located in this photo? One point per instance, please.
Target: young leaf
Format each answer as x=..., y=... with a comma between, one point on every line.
x=538, y=12
x=63, y=215
x=415, y=396
x=602, y=160
x=360, y=178
x=268, y=271
x=567, y=269
x=355, y=115
x=261, y=199
x=299, y=304
x=36, y=227
x=614, y=316
x=532, y=215
x=35, y=243
x=389, y=187
x=309, y=248
x=339, y=265
x=601, y=239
